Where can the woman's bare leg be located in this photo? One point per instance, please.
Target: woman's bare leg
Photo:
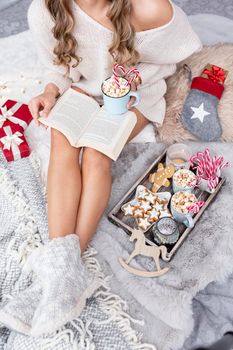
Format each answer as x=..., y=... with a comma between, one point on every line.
x=141, y=123
x=64, y=186
x=96, y=187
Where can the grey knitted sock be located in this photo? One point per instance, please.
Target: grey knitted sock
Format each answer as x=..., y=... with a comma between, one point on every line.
x=17, y=313
x=200, y=112
x=66, y=284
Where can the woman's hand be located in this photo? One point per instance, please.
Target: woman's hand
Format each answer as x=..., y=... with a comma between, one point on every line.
x=134, y=87
x=43, y=103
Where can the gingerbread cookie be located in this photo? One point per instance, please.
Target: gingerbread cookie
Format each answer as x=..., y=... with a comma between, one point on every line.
x=160, y=178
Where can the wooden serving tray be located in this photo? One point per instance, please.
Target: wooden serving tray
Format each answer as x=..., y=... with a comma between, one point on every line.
x=128, y=223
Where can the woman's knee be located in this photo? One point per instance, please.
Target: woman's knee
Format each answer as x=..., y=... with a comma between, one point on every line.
x=58, y=139
x=95, y=160
x=60, y=146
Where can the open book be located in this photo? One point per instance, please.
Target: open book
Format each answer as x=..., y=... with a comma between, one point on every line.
x=86, y=124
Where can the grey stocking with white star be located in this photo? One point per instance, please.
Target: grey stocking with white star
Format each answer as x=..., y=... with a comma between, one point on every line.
x=200, y=116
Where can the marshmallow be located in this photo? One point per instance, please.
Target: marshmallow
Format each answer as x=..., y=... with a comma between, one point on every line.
x=184, y=178
x=181, y=201
x=110, y=87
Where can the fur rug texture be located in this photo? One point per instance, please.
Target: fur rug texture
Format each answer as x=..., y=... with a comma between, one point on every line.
x=178, y=89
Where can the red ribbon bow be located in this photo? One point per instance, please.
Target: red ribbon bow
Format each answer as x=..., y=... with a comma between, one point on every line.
x=217, y=75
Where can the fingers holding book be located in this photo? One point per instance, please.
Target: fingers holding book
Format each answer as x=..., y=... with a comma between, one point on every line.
x=41, y=105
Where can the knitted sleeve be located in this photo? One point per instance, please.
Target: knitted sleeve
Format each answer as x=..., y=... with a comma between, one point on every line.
x=163, y=48
x=41, y=24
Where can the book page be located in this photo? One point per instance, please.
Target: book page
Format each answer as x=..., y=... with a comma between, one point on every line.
x=108, y=133
x=72, y=114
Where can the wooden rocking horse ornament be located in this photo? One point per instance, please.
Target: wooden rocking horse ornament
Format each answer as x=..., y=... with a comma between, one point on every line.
x=142, y=249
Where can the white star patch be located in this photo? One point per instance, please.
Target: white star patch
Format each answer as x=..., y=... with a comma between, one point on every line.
x=199, y=113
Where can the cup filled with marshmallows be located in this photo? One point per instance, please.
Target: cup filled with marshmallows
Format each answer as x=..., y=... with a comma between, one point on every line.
x=184, y=203
x=117, y=91
x=181, y=203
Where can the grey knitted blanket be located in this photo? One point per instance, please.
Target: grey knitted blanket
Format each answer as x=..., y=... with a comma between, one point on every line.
x=206, y=255
x=104, y=323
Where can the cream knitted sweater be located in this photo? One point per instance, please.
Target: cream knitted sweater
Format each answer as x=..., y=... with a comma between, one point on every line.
x=160, y=49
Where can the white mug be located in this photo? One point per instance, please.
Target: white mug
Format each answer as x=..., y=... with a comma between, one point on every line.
x=184, y=218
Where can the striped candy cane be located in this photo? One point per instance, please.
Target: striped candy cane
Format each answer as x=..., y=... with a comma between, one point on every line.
x=207, y=161
x=207, y=168
x=115, y=74
x=195, y=208
x=213, y=182
x=135, y=74
x=195, y=160
x=215, y=165
x=220, y=163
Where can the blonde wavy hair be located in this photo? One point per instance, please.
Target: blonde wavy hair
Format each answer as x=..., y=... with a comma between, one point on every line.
x=122, y=48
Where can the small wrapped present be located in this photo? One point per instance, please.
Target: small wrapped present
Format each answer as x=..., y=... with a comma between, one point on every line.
x=215, y=73
x=13, y=143
x=12, y=112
